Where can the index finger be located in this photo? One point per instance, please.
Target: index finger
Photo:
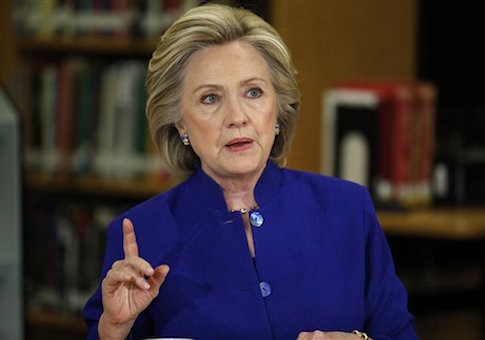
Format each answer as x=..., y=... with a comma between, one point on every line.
x=130, y=247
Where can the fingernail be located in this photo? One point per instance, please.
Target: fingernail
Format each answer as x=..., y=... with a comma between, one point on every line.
x=146, y=285
x=149, y=270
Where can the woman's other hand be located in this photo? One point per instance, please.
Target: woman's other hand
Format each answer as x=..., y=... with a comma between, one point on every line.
x=128, y=288
x=319, y=335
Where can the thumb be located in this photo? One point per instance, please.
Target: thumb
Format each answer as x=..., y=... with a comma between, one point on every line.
x=158, y=277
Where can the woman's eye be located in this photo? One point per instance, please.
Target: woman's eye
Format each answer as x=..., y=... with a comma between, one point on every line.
x=255, y=93
x=210, y=99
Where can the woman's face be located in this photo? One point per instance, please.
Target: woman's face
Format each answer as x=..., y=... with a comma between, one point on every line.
x=229, y=110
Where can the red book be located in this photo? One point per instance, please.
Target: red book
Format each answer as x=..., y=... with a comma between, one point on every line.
x=121, y=9
x=66, y=112
x=394, y=175
x=425, y=115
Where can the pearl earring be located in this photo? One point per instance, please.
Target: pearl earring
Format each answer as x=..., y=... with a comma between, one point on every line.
x=277, y=129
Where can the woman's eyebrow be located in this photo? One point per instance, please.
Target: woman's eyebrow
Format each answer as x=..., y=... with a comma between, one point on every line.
x=219, y=87
x=209, y=86
x=253, y=79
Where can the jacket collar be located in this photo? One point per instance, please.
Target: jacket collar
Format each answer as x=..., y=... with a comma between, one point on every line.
x=211, y=196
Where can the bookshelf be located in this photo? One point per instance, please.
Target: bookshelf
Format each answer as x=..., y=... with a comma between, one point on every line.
x=131, y=188
x=49, y=325
x=68, y=199
x=457, y=223
x=67, y=207
x=87, y=45
x=438, y=253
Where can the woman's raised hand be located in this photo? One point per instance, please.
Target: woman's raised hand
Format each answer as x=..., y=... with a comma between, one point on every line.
x=128, y=288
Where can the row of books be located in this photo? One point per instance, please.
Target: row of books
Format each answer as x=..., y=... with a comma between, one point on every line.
x=88, y=118
x=381, y=135
x=124, y=18
x=64, y=250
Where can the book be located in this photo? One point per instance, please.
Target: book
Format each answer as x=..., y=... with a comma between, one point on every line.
x=64, y=253
x=350, y=125
x=121, y=19
x=425, y=111
x=48, y=97
x=67, y=112
x=405, y=135
x=106, y=123
x=89, y=119
x=86, y=124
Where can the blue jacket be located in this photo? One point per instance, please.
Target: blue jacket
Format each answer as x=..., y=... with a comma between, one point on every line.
x=322, y=262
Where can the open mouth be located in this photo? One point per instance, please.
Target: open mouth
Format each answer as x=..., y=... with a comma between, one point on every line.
x=239, y=144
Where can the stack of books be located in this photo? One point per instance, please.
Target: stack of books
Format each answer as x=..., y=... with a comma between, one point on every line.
x=114, y=18
x=381, y=135
x=64, y=252
x=88, y=118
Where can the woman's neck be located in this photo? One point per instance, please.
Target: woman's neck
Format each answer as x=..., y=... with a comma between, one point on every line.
x=241, y=199
x=239, y=191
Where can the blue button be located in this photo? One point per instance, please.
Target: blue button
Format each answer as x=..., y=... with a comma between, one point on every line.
x=265, y=288
x=256, y=219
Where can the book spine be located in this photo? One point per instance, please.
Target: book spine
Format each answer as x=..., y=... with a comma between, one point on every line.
x=65, y=115
x=105, y=132
x=48, y=118
x=426, y=101
x=64, y=253
x=382, y=184
x=86, y=120
x=89, y=119
x=341, y=108
x=402, y=182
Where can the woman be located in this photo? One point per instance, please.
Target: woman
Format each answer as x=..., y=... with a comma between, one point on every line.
x=255, y=251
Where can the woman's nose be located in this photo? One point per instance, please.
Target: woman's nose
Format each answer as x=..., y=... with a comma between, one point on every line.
x=236, y=115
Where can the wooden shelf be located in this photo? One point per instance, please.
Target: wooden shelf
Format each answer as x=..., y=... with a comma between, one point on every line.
x=87, y=45
x=56, y=320
x=96, y=186
x=444, y=223
x=50, y=325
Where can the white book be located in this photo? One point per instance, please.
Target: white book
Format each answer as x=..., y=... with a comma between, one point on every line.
x=106, y=124
x=354, y=157
x=48, y=112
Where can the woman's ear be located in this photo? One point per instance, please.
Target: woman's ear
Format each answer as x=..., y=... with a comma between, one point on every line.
x=180, y=127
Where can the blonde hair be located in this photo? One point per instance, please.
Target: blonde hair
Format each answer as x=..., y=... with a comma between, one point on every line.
x=200, y=27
